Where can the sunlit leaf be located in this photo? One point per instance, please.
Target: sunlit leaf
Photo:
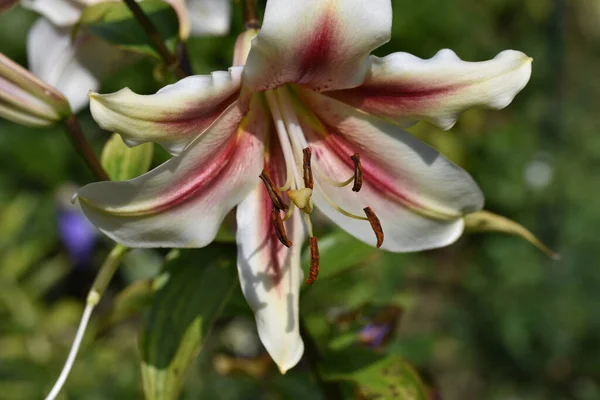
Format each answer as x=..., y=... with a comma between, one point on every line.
x=122, y=162
x=114, y=22
x=199, y=283
x=377, y=376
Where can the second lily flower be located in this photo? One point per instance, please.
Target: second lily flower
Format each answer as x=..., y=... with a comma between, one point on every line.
x=311, y=112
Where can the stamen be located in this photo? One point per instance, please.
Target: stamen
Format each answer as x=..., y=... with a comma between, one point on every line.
x=279, y=228
x=308, y=176
x=358, y=173
x=375, y=224
x=315, y=265
x=274, y=193
x=340, y=209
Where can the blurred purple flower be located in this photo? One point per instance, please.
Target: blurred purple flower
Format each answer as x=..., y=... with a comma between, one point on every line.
x=374, y=334
x=75, y=231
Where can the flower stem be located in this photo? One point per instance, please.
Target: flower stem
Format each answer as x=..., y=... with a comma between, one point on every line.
x=331, y=390
x=251, y=20
x=108, y=269
x=155, y=38
x=83, y=148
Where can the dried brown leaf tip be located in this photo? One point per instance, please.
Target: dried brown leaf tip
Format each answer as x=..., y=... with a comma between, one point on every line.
x=279, y=228
x=375, y=224
x=308, y=176
x=358, y=173
x=315, y=261
x=273, y=192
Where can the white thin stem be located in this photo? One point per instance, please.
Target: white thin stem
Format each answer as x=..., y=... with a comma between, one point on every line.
x=72, y=353
x=108, y=269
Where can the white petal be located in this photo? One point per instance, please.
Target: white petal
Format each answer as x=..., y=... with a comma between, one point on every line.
x=419, y=196
x=271, y=276
x=209, y=17
x=405, y=88
x=182, y=202
x=74, y=68
x=321, y=44
x=60, y=12
x=172, y=117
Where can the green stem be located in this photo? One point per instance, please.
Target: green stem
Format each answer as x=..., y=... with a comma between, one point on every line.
x=331, y=390
x=108, y=269
x=251, y=20
x=157, y=41
x=83, y=148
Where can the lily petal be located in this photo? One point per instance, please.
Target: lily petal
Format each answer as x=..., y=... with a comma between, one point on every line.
x=406, y=88
x=321, y=44
x=419, y=196
x=172, y=117
x=182, y=202
x=271, y=276
x=74, y=67
x=61, y=12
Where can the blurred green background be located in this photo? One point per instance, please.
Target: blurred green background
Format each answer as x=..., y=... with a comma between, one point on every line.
x=487, y=318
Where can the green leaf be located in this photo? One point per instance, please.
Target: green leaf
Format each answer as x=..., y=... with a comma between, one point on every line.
x=339, y=251
x=122, y=162
x=114, y=22
x=199, y=283
x=378, y=376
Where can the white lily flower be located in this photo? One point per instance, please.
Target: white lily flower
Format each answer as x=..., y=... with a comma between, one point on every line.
x=308, y=88
x=76, y=66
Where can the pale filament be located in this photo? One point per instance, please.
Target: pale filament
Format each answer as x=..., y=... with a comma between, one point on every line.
x=338, y=208
x=295, y=130
x=288, y=153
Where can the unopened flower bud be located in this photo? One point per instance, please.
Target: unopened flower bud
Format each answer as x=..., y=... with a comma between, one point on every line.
x=27, y=100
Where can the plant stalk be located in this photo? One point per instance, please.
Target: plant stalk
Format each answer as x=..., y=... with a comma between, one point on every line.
x=159, y=45
x=251, y=20
x=83, y=148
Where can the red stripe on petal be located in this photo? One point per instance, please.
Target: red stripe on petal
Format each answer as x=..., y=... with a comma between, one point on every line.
x=393, y=97
x=320, y=49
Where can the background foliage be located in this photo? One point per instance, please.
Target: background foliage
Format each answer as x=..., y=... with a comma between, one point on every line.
x=487, y=318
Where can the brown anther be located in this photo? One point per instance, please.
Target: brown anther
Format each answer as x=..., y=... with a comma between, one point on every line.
x=358, y=173
x=279, y=228
x=274, y=193
x=375, y=224
x=315, y=264
x=308, y=176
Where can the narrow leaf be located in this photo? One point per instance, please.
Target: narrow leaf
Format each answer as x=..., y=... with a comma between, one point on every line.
x=198, y=285
x=114, y=22
x=122, y=162
x=485, y=221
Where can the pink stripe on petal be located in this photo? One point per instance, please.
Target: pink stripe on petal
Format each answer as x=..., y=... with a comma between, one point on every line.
x=405, y=88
